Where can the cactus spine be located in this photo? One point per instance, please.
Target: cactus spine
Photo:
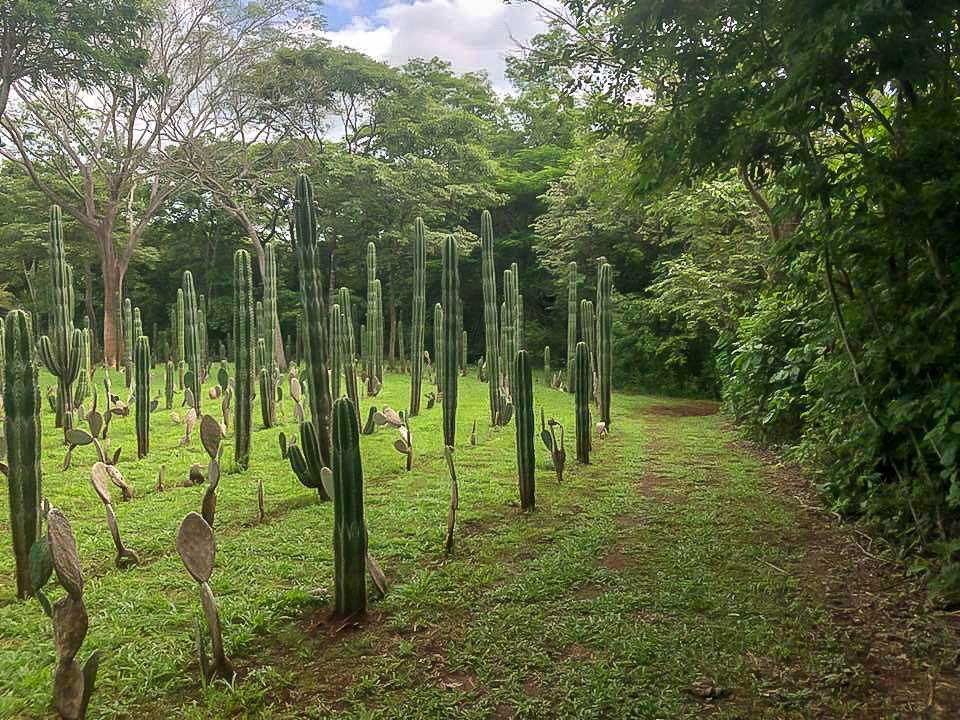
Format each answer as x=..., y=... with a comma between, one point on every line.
x=141, y=391
x=526, y=458
x=605, y=340
x=191, y=332
x=243, y=355
x=419, y=315
x=349, y=528
x=584, y=385
x=371, y=326
x=571, y=323
x=61, y=353
x=21, y=397
x=304, y=240
x=451, y=339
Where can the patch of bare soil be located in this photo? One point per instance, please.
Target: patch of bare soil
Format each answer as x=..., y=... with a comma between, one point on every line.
x=900, y=656
x=685, y=408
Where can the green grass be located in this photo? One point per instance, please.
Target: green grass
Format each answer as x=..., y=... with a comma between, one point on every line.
x=653, y=567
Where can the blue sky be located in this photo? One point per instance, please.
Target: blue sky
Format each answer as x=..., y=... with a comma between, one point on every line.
x=472, y=34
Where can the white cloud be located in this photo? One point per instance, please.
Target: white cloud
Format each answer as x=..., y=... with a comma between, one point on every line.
x=471, y=34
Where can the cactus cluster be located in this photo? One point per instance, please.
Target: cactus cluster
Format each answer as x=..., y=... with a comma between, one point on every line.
x=61, y=352
x=315, y=434
x=418, y=315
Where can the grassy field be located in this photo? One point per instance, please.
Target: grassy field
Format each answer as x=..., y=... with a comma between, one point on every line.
x=675, y=576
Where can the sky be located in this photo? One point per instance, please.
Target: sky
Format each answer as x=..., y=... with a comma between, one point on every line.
x=471, y=34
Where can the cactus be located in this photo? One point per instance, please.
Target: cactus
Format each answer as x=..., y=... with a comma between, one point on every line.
x=181, y=338
x=141, y=391
x=101, y=476
x=61, y=352
x=269, y=328
x=266, y=389
x=169, y=385
x=198, y=551
x=508, y=327
x=191, y=332
x=582, y=401
x=21, y=397
x=546, y=365
x=571, y=323
x=371, y=325
x=349, y=529
x=201, y=338
x=72, y=685
x=418, y=318
x=378, y=331
x=521, y=335
x=604, y=341
x=137, y=329
x=438, y=345
x=315, y=433
x=243, y=355
x=451, y=340
x=336, y=353
x=401, y=354
x=463, y=352
x=128, y=339
x=588, y=331
x=347, y=349
x=526, y=458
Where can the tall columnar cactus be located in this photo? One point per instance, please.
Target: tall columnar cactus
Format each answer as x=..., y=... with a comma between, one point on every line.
x=451, y=339
x=490, y=320
x=344, y=337
x=336, y=356
x=305, y=246
x=546, y=365
x=509, y=328
x=181, y=337
x=137, y=327
x=243, y=355
x=463, y=352
x=201, y=334
x=257, y=333
x=21, y=398
x=605, y=340
x=269, y=326
x=526, y=457
x=349, y=528
x=169, y=385
x=401, y=351
x=371, y=325
x=142, y=364
x=438, y=345
x=418, y=315
x=343, y=299
x=588, y=331
x=571, y=323
x=266, y=386
x=128, y=340
x=521, y=334
x=191, y=332
x=584, y=384
x=378, y=330
x=61, y=352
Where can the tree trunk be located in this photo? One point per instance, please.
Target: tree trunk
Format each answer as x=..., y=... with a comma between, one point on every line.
x=112, y=339
x=88, y=280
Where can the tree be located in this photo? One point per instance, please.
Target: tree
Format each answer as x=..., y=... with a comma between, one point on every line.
x=51, y=41
x=99, y=152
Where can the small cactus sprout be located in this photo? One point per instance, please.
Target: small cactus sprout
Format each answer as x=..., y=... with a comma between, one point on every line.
x=101, y=477
x=72, y=685
x=454, y=497
x=197, y=549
